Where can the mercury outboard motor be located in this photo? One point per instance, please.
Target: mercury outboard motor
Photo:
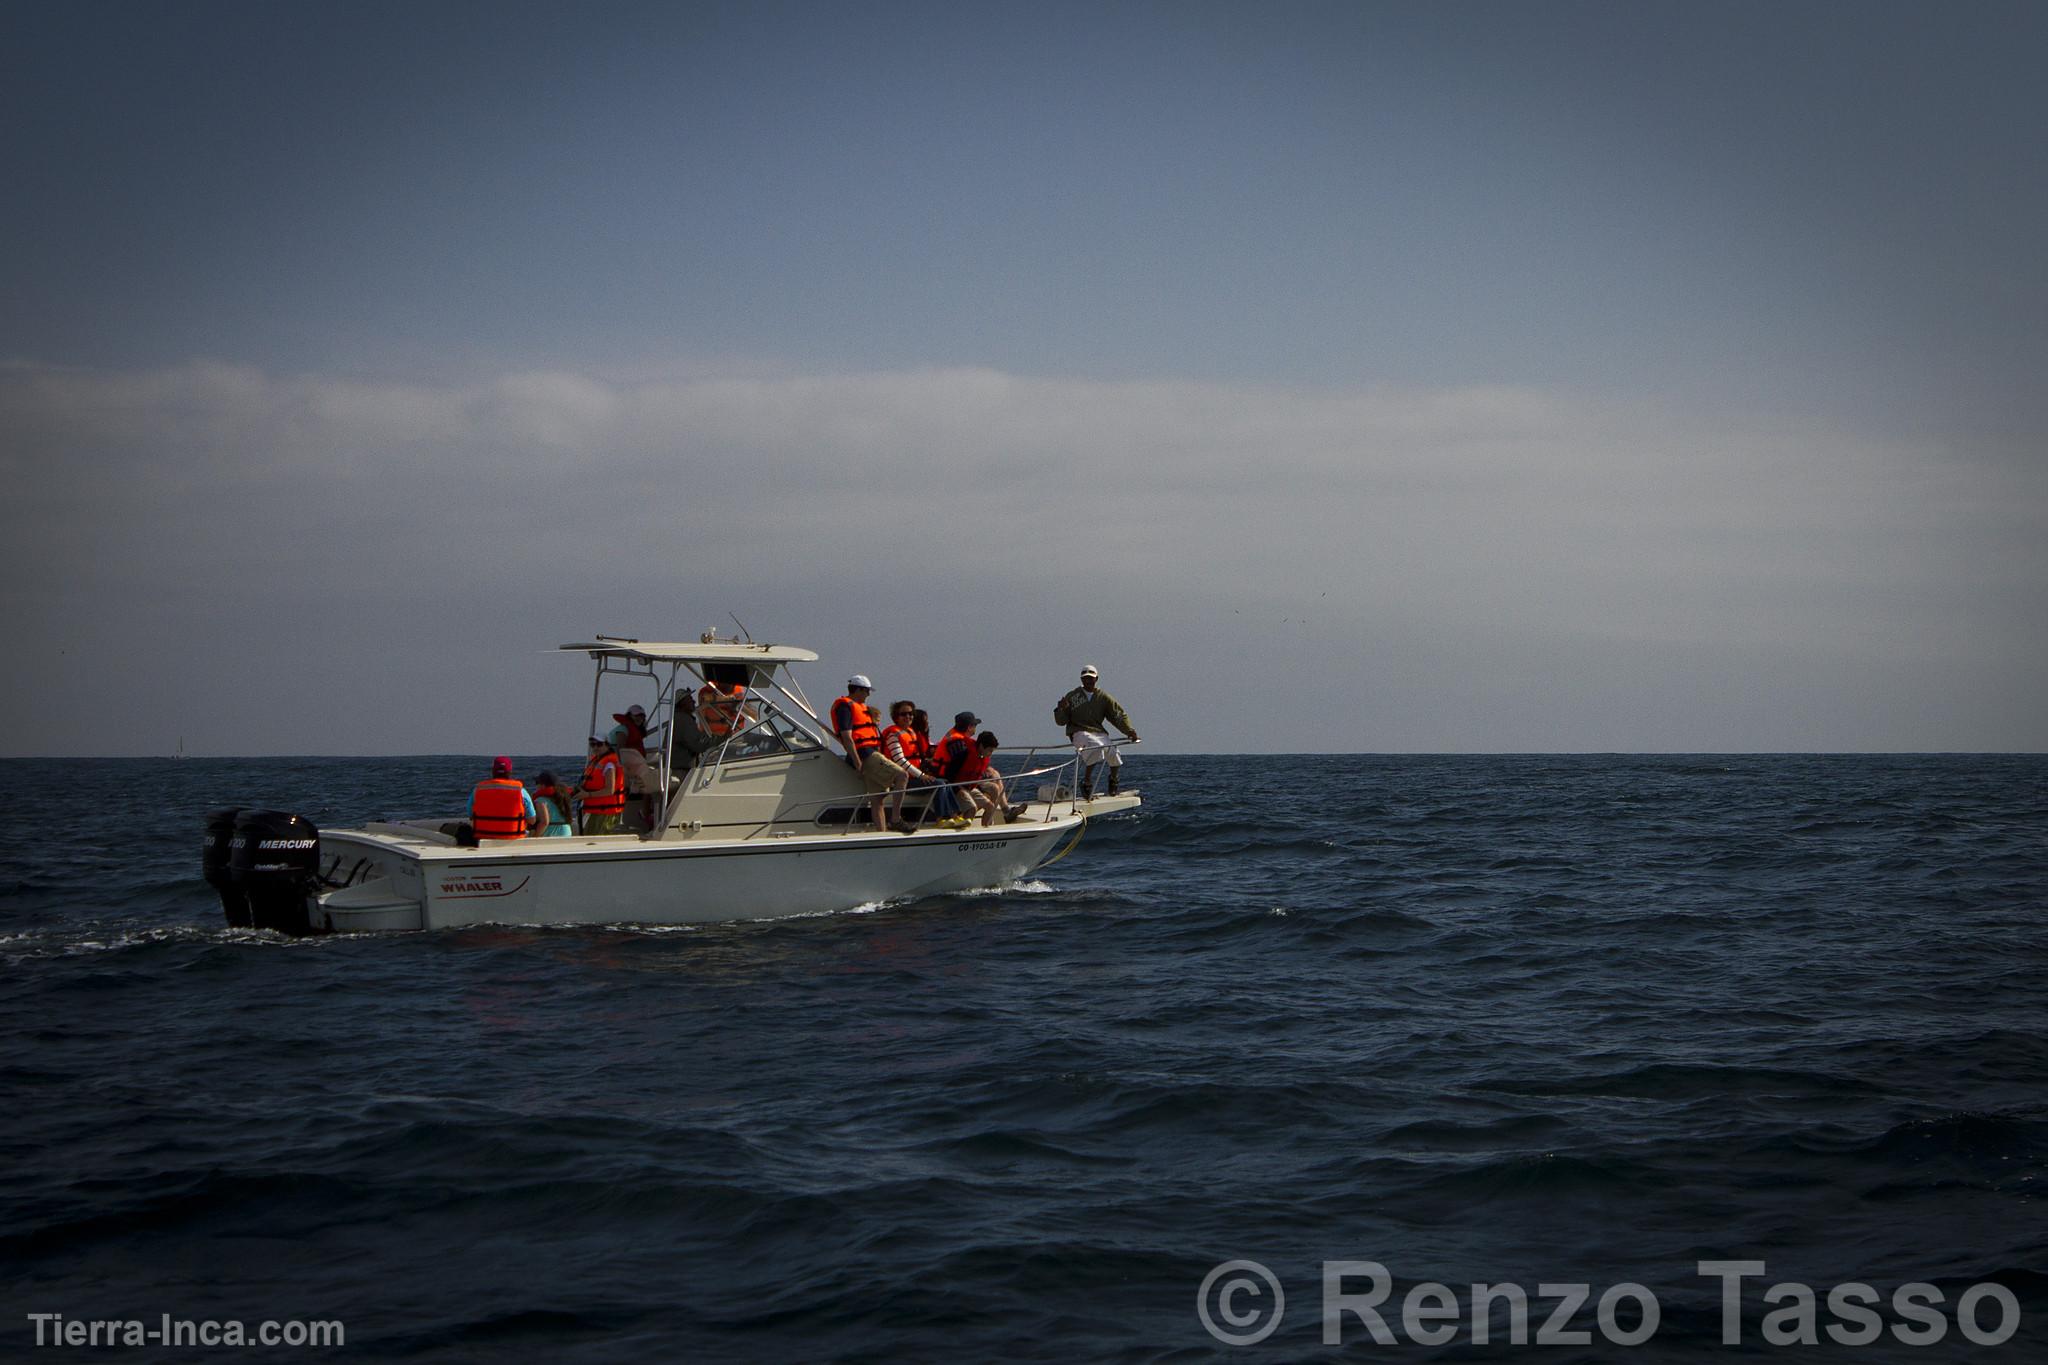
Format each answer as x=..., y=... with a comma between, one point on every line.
x=220, y=831
x=274, y=860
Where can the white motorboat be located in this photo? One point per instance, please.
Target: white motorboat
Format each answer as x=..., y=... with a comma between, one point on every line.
x=772, y=821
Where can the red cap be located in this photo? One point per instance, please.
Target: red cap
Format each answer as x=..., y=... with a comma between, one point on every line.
x=501, y=766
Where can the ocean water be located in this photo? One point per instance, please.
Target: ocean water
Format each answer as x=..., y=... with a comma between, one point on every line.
x=1506, y=1020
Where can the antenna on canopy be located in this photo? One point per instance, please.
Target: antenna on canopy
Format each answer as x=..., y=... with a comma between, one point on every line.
x=745, y=634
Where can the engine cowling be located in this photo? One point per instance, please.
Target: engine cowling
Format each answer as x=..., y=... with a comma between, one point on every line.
x=213, y=863
x=274, y=863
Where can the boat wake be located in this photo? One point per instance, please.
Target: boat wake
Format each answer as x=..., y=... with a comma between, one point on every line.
x=1032, y=887
x=76, y=940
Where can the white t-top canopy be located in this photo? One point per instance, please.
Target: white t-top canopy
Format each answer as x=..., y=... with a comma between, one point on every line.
x=722, y=652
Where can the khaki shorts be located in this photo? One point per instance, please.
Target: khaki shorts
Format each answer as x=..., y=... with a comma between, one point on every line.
x=978, y=797
x=881, y=773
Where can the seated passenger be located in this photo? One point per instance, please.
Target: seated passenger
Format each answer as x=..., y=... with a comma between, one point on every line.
x=603, y=789
x=963, y=760
x=988, y=789
x=551, y=805
x=639, y=793
x=905, y=746
x=499, y=807
x=853, y=725
x=634, y=719
x=687, y=737
x=721, y=701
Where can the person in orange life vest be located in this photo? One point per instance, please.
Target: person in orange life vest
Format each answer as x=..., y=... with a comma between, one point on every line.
x=499, y=806
x=853, y=725
x=634, y=719
x=629, y=737
x=603, y=789
x=639, y=778
x=904, y=746
x=982, y=785
x=956, y=755
x=954, y=746
x=721, y=700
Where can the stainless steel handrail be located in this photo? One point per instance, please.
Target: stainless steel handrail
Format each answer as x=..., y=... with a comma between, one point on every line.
x=1006, y=778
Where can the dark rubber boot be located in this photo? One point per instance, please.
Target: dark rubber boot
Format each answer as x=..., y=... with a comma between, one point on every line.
x=1088, y=781
x=1112, y=780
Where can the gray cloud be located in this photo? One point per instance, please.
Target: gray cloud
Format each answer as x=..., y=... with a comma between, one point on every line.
x=1453, y=568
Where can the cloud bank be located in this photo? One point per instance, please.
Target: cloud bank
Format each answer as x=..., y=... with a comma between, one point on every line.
x=308, y=563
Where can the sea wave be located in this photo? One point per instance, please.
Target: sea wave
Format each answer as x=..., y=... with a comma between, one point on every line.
x=1547, y=1019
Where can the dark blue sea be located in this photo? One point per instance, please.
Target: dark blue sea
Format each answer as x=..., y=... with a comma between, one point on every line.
x=1500, y=1020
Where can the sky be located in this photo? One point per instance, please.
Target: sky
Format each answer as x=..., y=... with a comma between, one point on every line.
x=1335, y=377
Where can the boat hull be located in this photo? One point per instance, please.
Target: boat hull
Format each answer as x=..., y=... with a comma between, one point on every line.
x=610, y=881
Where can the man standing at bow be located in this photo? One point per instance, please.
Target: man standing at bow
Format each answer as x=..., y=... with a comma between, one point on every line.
x=1085, y=711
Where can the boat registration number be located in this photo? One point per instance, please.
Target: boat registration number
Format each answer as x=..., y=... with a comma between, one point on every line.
x=984, y=844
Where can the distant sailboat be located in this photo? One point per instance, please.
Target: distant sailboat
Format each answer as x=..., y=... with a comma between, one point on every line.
x=181, y=748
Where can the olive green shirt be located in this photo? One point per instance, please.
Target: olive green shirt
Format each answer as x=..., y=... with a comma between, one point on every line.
x=1080, y=711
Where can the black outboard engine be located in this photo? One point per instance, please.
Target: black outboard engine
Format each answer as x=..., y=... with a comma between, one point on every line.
x=220, y=831
x=274, y=861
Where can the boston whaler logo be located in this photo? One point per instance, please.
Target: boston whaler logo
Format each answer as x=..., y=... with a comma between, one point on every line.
x=481, y=884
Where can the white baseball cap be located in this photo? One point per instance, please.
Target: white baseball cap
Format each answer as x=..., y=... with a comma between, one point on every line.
x=1090, y=671
x=860, y=680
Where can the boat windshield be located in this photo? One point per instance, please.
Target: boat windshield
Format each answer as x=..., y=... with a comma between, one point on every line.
x=769, y=732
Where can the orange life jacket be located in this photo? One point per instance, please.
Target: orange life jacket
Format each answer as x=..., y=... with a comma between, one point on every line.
x=864, y=733
x=603, y=802
x=957, y=753
x=916, y=748
x=718, y=708
x=496, y=810
x=636, y=733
